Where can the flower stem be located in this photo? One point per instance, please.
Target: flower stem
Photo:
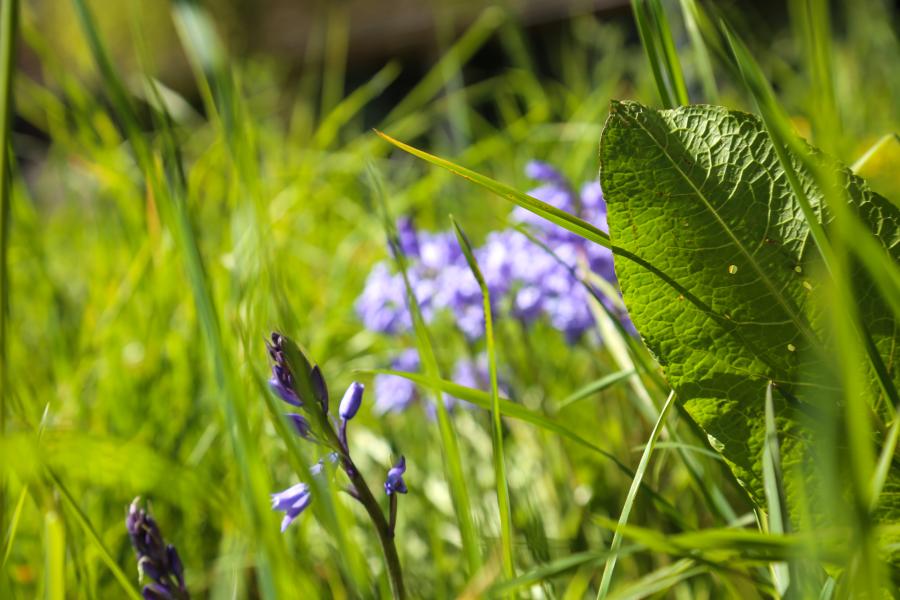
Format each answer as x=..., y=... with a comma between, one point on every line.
x=367, y=499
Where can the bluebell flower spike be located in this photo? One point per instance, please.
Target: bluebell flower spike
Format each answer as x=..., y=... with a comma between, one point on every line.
x=157, y=561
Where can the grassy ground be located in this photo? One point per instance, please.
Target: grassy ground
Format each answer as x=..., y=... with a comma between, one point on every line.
x=151, y=250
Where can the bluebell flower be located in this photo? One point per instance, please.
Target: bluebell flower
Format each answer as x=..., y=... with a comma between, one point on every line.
x=393, y=393
x=525, y=280
x=293, y=501
x=301, y=424
x=351, y=401
x=394, y=482
x=156, y=560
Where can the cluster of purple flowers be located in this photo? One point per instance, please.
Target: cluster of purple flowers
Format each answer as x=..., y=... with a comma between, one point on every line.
x=317, y=426
x=395, y=394
x=157, y=561
x=524, y=279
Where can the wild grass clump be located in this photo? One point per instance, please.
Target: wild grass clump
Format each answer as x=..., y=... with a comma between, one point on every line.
x=677, y=379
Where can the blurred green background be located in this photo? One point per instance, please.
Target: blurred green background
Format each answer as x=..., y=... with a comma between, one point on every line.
x=149, y=257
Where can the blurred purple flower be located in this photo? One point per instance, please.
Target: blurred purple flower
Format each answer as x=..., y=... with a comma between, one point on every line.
x=394, y=482
x=524, y=279
x=156, y=560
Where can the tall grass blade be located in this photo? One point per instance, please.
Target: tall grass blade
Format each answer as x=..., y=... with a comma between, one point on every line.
x=9, y=16
x=610, y=565
x=54, y=557
x=774, y=490
x=496, y=423
x=452, y=458
x=547, y=211
x=10, y=536
x=91, y=532
x=702, y=60
x=656, y=36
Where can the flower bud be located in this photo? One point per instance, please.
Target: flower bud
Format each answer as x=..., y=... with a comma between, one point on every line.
x=351, y=400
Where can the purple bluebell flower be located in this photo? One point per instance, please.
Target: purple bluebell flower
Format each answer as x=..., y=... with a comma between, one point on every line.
x=393, y=393
x=292, y=502
x=351, y=401
x=394, y=482
x=524, y=279
x=408, y=237
x=283, y=382
x=156, y=560
x=301, y=424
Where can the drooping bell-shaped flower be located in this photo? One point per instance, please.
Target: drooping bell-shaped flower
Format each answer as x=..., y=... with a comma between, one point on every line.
x=292, y=501
x=394, y=482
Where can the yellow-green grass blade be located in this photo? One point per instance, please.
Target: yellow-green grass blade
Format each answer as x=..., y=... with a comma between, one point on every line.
x=91, y=532
x=54, y=557
x=502, y=486
x=610, y=565
x=521, y=413
x=451, y=454
x=8, y=29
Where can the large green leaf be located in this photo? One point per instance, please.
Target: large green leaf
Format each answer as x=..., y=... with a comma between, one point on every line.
x=721, y=284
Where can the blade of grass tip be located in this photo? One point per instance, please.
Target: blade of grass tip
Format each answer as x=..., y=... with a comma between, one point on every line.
x=430, y=85
x=774, y=491
x=54, y=557
x=702, y=61
x=92, y=534
x=667, y=45
x=542, y=209
x=664, y=578
x=113, y=86
x=9, y=16
x=496, y=424
x=811, y=21
x=647, y=15
x=334, y=66
x=452, y=459
x=883, y=143
x=13, y=526
x=610, y=565
x=521, y=413
x=594, y=387
x=346, y=109
x=549, y=570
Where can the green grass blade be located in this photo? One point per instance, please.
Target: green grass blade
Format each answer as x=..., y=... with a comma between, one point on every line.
x=10, y=536
x=812, y=25
x=547, y=211
x=496, y=424
x=610, y=565
x=773, y=487
x=549, y=570
x=54, y=557
x=517, y=411
x=452, y=458
x=594, y=387
x=85, y=523
x=702, y=60
x=656, y=37
x=660, y=580
x=9, y=18
x=467, y=45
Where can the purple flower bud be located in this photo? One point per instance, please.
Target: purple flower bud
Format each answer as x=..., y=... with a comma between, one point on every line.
x=320, y=389
x=301, y=424
x=394, y=482
x=156, y=560
x=351, y=400
x=406, y=234
x=156, y=591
